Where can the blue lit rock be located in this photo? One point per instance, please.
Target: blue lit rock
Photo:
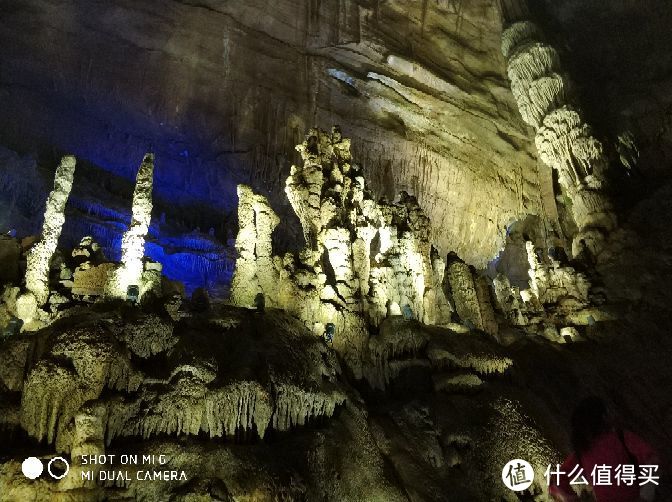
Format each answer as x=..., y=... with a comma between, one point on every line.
x=133, y=240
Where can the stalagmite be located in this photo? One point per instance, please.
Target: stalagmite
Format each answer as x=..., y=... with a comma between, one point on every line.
x=485, y=305
x=563, y=139
x=553, y=283
x=255, y=271
x=133, y=241
x=39, y=257
x=463, y=291
x=364, y=260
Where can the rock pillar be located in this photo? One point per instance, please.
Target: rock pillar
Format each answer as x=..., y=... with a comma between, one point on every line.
x=133, y=240
x=564, y=140
x=255, y=268
x=39, y=257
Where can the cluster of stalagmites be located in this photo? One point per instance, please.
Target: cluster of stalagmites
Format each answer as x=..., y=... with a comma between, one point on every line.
x=564, y=141
x=90, y=366
x=363, y=260
x=559, y=298
x=53, y=282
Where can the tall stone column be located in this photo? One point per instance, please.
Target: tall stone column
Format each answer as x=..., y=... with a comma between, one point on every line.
x=133, y=240
x=39, y=257
x=563, y=139
x=255, y=269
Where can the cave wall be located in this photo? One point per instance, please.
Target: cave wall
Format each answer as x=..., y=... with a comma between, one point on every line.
x=223, y=91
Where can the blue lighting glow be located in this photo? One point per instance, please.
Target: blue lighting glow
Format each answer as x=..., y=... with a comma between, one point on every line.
x=195, y=259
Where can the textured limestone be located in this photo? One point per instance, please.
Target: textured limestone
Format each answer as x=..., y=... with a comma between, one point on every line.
x=88, y=440
x=552, y=282
x=83, y=361
x=467, y=352
x=563, y=139
x=463, y=291
x=257, y=78
x=92, y=280
x=470, y=294
x=558, y=298
x=255, y=271
x=397, y=338
x=27, y=307
x=133, y=240
x=148, y=335
x=39, y=256
x=363, y=259
x=207, y=387
x=485, y=305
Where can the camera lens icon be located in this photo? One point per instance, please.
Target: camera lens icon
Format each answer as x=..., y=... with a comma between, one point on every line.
x=33, y=467
x=65, y=472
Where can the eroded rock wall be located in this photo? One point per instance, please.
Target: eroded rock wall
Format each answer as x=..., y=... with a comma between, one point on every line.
x=223, y=91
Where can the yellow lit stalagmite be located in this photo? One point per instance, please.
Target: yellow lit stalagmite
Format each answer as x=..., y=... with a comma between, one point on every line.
x=363, y=259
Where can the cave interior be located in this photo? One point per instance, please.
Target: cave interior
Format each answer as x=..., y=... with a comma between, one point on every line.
x=329, y=249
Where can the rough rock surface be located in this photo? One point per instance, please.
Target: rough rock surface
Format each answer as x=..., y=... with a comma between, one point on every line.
x=39, y=257
x=564, y=140
x=363, y=259
x=447, y=409
x=204, y=387
x=133, y=240
x=421, y=87
x=455, y=406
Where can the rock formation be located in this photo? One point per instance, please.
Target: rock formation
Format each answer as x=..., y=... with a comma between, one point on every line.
x=470, y=295
x=133, y=240
x=554, y=282
x=204, y=389
x=255, y=271
x=39, y=257
x=363, y=259
x=564, y=140
x=559, y=299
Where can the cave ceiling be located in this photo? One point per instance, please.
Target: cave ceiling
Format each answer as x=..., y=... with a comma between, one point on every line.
x=222, y=92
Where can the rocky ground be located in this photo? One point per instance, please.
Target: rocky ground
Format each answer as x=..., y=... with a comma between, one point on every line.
x=251, y=406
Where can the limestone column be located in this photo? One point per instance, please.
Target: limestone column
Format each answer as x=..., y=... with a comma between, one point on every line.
x=133, y=240
x=304, y=186
x=564, y=140
x=463, y=291
x=39, y=257
x=255, y=267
